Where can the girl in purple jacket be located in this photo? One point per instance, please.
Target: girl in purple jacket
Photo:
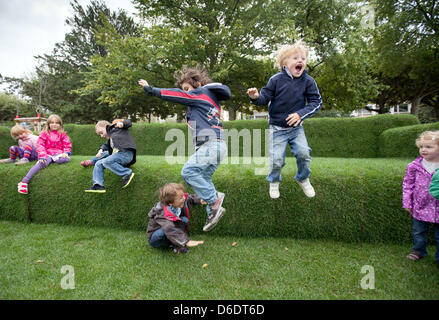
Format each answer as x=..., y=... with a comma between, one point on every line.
x=416, y=198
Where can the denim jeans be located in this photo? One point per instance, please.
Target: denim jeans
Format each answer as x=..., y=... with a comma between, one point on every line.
x=158, y=238
x=296, y=139
x=115, y=163
x=420, y=237
x=96, y=159
x=199, y=169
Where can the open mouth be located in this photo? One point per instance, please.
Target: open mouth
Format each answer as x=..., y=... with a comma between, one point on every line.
x=298, y=68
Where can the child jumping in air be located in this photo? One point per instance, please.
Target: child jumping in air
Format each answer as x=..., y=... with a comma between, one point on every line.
x=202, y=97
x=53, y=146
x=417, y=200
x=117, y=154
x=292, y=96
x=169, y=219
x=27, y=146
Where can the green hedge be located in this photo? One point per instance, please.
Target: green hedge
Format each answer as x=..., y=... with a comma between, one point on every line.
x=328, y=137
x=357, y=199
x=400, y=142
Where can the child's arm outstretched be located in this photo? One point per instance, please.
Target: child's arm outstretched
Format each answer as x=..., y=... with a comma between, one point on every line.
x=172, y=94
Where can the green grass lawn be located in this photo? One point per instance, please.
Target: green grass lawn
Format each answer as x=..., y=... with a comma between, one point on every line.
x=118, y=264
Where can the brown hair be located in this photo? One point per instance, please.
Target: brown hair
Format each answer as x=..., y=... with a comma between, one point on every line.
x=53, y=118
x=19, y=129
x=168, y=192
x=192, y=76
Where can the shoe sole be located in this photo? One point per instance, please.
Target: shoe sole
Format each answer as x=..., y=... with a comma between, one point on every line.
x=220, y=214
x=129, y=181
x=95, y=191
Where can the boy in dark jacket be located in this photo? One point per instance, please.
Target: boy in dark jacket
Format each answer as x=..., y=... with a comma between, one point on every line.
x=117, y=154
x=169, y=219
x=202, y=97
x=292, y=96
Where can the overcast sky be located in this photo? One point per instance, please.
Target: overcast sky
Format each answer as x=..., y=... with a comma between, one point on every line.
x=32, y=27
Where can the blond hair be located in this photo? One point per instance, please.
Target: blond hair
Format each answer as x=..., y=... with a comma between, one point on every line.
x=168, y=192
x=102, y=123
x=53, y=118
x=19, y=129
x=287, y=51
x=428, y=135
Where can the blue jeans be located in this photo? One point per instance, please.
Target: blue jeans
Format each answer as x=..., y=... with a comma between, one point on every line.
x=296, y=139
x=199, y=169
x=158, y=238
x=96, y=159
x=420, y=237
x=115, y=163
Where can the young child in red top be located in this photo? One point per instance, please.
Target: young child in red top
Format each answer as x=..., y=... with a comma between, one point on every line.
x=169, y=219
x=53, y=146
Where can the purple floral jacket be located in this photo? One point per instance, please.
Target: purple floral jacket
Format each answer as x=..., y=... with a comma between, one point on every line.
x=415, y=195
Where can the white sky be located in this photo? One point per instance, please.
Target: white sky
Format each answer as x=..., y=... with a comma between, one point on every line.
x=32, y=27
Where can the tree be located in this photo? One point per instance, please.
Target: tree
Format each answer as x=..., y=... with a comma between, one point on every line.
x=408, y=42
x=9, y=105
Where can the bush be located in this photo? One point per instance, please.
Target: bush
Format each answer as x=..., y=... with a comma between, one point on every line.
x=400, y=142
x=328, y=137
x=357, y=199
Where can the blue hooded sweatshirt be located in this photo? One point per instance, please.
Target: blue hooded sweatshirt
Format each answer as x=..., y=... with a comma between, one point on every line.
x=204, y=111
x=287, y=94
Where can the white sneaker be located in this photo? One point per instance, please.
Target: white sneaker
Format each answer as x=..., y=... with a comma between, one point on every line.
x=274, y=190
x=307, y=188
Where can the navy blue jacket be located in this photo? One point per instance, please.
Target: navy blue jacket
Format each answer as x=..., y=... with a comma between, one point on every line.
x=287, y=95
x=204, y=111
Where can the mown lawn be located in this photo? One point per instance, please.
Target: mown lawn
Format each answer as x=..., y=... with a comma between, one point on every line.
x=117, y=264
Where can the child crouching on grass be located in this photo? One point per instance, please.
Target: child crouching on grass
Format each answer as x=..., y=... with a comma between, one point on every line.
x=117, y=154
x=416, y=197
x=169, y=219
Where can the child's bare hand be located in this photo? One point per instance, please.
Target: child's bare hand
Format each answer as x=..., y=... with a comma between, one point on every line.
x=99, y=154
x=119, y=125
x=42, y=161
x=193, y=243
x=143, y=83
x=253, y=93
x=64, y=155
x=409, y=210
x=293, y=119
x=203, y=202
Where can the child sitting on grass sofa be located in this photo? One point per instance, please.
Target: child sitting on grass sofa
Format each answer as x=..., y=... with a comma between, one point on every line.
x=117, y=154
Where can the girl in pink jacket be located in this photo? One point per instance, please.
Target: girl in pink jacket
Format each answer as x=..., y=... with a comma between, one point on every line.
x=53, y=145
x=416, y=198
x=27, y=146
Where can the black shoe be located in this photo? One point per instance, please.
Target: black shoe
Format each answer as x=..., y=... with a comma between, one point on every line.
x=127, y=179
x=97, y=188
x=179, y=250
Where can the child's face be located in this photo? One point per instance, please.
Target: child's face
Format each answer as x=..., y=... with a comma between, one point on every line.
x=102, y=132
x=54, y=125
x=188, y=87
x=22, y=136
x=429, y=150
x=179, y=199
x=296, y=63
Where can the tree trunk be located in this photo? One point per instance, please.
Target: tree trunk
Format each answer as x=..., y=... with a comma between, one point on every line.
x=416, y=102
x=232, y=114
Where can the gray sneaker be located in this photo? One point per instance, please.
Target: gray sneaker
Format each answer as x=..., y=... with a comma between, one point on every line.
x=8, y=160
x=216, y=212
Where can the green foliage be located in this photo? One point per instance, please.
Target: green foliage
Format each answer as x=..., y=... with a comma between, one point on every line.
x=348, y=207
x=5, y=142
x=400, y=142
x=8, y=108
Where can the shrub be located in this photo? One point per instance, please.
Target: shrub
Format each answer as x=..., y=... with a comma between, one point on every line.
x=357, y=199
x=400, y=142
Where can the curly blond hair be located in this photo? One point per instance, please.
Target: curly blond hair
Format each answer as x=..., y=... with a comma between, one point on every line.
x=428, y=135
x=287, y=51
